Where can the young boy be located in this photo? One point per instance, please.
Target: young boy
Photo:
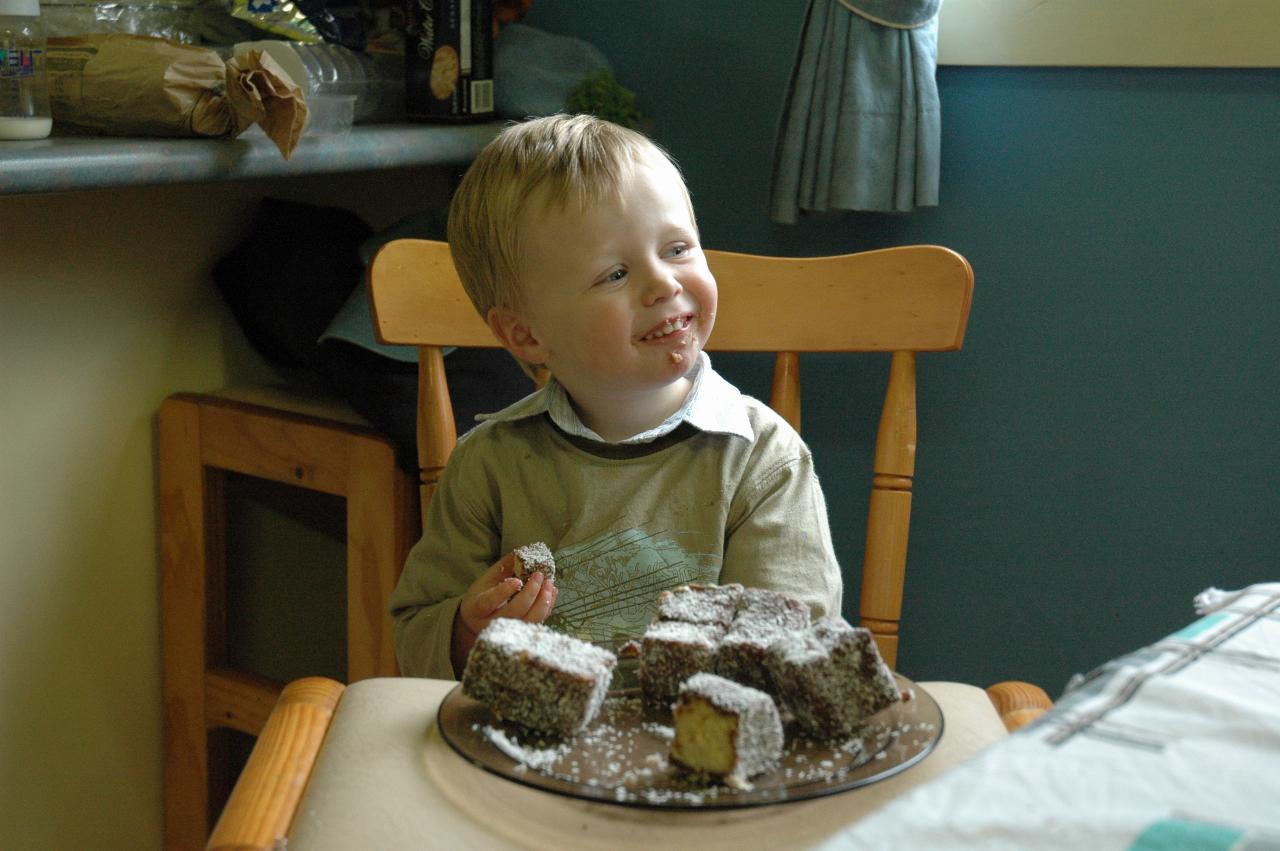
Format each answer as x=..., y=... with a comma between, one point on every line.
x=636, y=463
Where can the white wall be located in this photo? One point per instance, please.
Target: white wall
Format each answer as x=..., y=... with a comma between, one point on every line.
x=105, y=308
x=1179, y=33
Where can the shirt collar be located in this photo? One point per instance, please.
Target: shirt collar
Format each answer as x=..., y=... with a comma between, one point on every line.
x=713, y=405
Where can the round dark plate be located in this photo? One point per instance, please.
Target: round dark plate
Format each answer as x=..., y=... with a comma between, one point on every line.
x=622, y=757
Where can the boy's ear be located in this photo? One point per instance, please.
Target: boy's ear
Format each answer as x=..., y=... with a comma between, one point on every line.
x=516, y=336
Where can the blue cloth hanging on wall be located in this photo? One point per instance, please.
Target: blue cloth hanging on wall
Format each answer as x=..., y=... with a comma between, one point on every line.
x=860, y=128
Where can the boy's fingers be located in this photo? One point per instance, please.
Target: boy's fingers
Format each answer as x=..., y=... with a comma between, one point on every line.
x=504, y=566
x=510, y=598
x=487, y=602
x=543, y=604
x=519, y=605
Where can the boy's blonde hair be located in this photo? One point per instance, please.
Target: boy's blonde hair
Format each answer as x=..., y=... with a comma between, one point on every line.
x=559, y=160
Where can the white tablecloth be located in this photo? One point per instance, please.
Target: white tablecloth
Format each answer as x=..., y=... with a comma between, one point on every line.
x=1175, y=746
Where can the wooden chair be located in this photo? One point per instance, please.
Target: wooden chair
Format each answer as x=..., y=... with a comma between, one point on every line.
x=899, y=301
x=267, y=433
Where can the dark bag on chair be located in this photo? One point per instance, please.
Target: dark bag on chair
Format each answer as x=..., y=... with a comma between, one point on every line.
x=385, y=391
x=285, y=281
x=286, y=284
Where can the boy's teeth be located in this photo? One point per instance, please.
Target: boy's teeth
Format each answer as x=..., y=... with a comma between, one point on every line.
x=670, y=327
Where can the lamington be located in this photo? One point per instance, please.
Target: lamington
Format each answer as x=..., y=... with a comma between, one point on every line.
x=831, y=677
x=534, y=557
x=762, y=618
x=697, y=603
x=762, y=608
x=670, y=653
x=743, y=656
x=534, y=676
x=725, y=729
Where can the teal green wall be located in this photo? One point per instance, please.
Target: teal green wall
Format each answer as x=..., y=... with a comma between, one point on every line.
x=1106, y=444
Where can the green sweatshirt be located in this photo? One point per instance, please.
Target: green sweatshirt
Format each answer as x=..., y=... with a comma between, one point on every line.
x=741, y=504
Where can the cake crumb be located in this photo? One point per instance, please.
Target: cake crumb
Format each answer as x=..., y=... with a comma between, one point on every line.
x=676, y=357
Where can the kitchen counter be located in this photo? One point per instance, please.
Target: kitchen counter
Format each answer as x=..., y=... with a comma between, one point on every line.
x=68, y=163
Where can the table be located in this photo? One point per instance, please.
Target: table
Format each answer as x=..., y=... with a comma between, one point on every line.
x=1174, y=746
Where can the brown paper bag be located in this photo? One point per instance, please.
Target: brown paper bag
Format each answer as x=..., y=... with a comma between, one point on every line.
x=127, y=85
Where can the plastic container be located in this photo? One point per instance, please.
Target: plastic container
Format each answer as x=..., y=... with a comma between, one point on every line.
x=331, y=115
x=331, y=71
x=171, y=19
x=24, y=89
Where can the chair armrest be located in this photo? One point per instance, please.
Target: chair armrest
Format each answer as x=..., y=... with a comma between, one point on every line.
x=263, y=802
x=1018, y=703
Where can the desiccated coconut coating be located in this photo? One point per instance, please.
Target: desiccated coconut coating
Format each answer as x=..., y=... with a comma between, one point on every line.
x=530, y=674
x=760, y=608
x=743, y=656
x=670, y=653
x=831, y=677
x=534, y=557
x=763, y=616
x=725, y=729
x=696, y=603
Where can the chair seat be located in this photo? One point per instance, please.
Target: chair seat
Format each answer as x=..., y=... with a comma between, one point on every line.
x=385, y=779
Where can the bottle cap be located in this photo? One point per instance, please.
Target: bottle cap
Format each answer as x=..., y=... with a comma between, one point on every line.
x=20, y=8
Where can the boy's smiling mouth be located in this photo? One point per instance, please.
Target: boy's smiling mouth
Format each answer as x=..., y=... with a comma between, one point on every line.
x=671, y=326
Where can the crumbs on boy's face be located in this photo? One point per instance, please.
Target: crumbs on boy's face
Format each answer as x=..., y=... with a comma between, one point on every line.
x=676, y=357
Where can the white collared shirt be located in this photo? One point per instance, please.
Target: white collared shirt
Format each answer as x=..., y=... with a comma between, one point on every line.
x=713, y=405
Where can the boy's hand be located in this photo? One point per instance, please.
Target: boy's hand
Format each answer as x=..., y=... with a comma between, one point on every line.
x=497, y=593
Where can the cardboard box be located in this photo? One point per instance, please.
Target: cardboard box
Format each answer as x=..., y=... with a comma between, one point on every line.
x=449, y=60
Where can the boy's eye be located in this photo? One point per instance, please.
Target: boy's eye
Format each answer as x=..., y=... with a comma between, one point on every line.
x=678, y=250
x=614, y=276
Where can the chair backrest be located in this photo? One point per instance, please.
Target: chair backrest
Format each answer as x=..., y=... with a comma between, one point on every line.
x=897, y=300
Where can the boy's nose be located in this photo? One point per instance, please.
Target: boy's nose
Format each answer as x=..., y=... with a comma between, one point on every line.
x=662, y=285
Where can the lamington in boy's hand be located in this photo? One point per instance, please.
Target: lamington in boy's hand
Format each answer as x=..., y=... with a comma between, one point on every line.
x=532, y=558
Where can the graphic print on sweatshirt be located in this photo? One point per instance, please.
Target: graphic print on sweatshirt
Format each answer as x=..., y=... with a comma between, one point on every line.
x=608, y=586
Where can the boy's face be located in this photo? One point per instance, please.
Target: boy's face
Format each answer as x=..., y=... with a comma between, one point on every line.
x=619, y=299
